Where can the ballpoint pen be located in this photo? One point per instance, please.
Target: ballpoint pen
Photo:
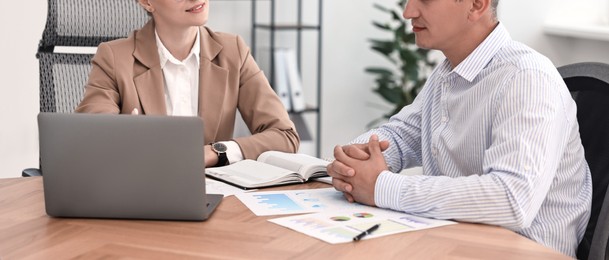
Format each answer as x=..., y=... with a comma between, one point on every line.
x=367, y=232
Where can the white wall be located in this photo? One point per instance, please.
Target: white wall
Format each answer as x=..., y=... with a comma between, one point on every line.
x=347, y=97
x=21, y=28
x=524, y=20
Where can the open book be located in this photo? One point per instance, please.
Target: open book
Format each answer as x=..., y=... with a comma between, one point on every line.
x=272, y=168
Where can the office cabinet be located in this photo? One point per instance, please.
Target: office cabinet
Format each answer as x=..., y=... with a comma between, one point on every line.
x=279, y=24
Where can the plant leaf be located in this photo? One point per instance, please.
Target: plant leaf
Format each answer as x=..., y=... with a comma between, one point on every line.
x=381, y=8
x=391, y=94
x=402, y=3
x=396, y=16
x=382, y=26
x=378, y=70
x=401, y=84
x=386, y=48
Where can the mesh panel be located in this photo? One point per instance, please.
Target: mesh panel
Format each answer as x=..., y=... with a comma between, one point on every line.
x=90, y=22
x=79, y=23
x=70, y=80
x=62, y=80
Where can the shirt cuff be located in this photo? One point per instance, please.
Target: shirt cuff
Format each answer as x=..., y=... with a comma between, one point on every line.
x=233, y=151
x=387, y=190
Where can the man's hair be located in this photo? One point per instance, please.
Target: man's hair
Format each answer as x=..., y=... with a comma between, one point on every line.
x=494, y=4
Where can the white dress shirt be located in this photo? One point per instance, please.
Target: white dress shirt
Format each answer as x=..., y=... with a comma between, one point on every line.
x=182, y=87
x=498, y=140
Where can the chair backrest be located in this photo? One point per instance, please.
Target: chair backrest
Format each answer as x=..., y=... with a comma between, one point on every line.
x=72, y=24
x=62, y=80
x=90, y=22
x=599, y=249
x=589, y=85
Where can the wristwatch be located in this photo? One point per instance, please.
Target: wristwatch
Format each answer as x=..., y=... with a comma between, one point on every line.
x=220, y=149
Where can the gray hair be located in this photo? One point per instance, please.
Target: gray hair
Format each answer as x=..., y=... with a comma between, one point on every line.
x=494, y=4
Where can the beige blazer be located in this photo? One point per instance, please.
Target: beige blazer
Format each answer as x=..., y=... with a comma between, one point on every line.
x=126, y=74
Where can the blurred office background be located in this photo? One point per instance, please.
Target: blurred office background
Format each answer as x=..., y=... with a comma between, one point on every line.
x=580, y=33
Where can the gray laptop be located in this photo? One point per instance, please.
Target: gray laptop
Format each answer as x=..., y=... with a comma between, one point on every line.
x=124, y=166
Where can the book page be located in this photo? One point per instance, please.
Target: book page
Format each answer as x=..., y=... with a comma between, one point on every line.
x=303, y=164
x=251, y=174
x=326, y=179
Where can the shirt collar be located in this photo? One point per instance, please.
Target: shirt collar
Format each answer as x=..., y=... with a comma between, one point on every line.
x=166, y=56
x=476, y=61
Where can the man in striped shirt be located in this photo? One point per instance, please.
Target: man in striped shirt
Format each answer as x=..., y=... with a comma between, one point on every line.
x=494, y=129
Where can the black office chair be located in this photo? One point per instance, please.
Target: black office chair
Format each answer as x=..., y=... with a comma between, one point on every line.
x=589, y=86
x=77, y=23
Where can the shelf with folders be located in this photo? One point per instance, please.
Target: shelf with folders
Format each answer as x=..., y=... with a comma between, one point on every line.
x=274, y=39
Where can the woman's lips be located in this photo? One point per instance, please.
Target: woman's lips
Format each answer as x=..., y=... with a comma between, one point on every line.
x=196, y=8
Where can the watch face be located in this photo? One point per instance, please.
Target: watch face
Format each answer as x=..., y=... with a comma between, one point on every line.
x=219, y=147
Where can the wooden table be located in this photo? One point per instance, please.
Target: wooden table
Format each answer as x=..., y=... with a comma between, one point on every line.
x=232, y=232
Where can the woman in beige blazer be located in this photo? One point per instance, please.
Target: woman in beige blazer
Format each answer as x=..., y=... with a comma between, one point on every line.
x=148, y=73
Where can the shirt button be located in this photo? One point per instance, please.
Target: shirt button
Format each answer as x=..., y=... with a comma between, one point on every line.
x=444, y=119
x=527, y=168
x=434, y=151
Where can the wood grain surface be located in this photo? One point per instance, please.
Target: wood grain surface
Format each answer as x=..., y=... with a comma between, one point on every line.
x=232, y=232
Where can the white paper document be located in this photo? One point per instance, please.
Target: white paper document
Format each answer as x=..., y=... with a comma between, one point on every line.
x=332, y=218
x=217, y=187
x=266, y=203
x=342, y=226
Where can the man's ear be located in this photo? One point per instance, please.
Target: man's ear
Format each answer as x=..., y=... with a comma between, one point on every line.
x=479, y=8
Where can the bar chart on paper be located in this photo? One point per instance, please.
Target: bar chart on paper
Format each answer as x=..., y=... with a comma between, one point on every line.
x=278, y=202
x=294, y=201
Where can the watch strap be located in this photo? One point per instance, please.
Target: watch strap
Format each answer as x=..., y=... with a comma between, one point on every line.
x=222, y=159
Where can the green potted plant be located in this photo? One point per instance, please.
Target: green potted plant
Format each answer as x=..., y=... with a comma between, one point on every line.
x=400, y=83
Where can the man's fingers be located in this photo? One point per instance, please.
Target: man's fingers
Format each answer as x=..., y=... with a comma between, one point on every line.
x=384, y=145
x=337, y=169
x=339, y=153
x=362, y=151
x=330, y=169
x=348, y=196
x=356, y=151
x=374, y=146
x=344, y=159
x=340, y=185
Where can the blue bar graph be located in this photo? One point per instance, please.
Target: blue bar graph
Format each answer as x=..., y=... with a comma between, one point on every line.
x=279, y=202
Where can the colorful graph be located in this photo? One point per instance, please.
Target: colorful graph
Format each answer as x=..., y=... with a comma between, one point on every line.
x=362, y=215
x=291, y=202
x=340, y=218
x=340, y=233
x=278, y=202
x=386, y=227
x=311, y=223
